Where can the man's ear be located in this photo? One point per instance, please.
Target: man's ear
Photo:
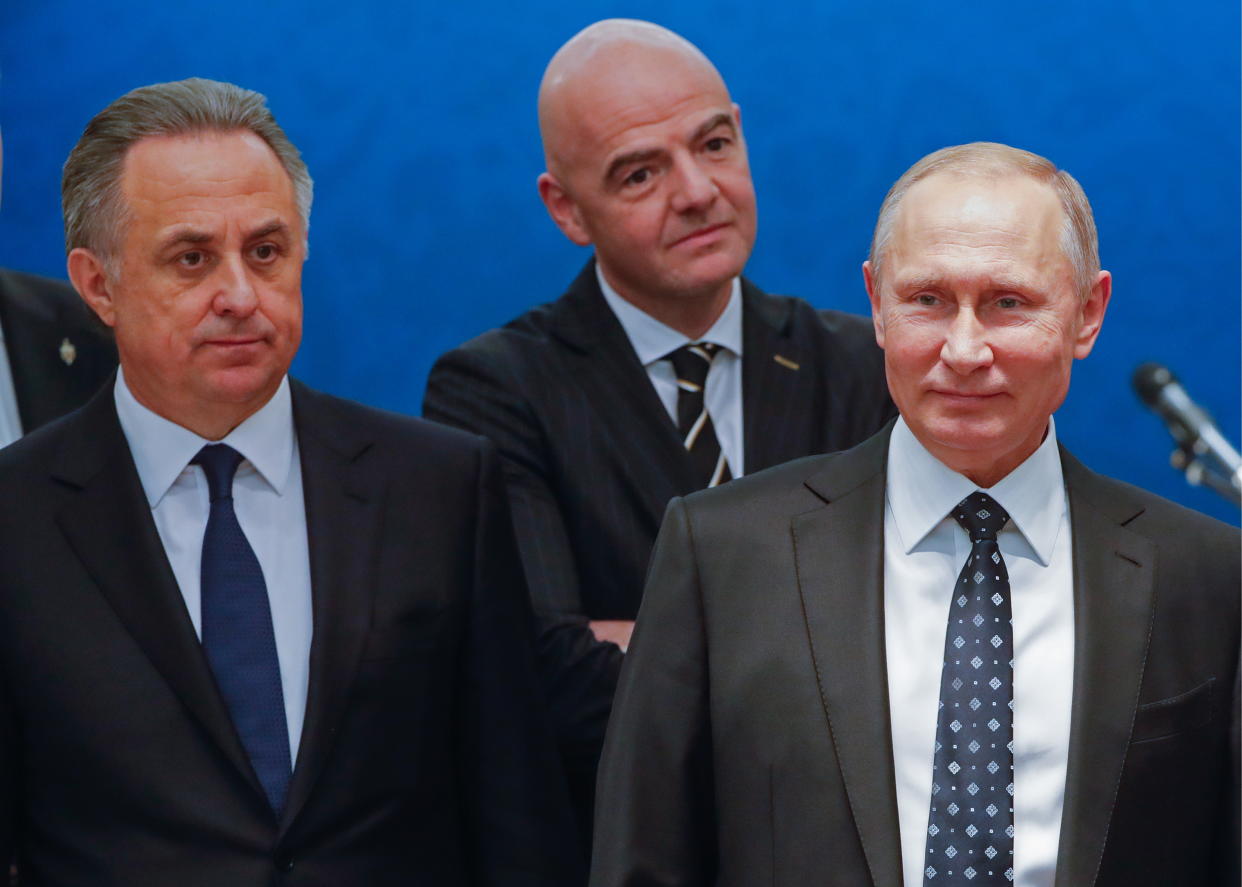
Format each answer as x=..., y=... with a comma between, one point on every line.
x=1091, y=314
x=562, y=209
x=873, y=294
x=86, y=271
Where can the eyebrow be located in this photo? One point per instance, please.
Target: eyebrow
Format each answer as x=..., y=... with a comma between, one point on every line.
x=922, y=282
x=935, y=281
x=721, y=119
x=644, y=155
x=275, y=226
x=629, y=158
x=197, y=235
x=185, y=235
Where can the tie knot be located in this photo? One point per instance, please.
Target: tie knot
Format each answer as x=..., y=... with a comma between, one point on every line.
x=219, y=463
x=691, y=363
x=981, y=516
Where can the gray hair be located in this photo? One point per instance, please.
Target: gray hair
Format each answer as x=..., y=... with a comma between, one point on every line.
x=91, y=198
x=1079, y=241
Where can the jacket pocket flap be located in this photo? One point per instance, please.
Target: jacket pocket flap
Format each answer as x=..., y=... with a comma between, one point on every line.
x=1166, y=717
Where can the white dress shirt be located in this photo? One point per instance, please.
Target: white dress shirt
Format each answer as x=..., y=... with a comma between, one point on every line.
x=267, y=498
x=924, y=550
x=653, y=340
x=10, y=418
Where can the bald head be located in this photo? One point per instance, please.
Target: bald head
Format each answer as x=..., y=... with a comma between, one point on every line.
x=605, y=57
x=647, y=164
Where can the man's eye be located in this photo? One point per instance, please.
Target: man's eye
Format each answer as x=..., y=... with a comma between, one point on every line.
x=716, y=144
x=1007, y=302
x=265, y=252
x=638, y=176
x=926, y=299
x=192, y=259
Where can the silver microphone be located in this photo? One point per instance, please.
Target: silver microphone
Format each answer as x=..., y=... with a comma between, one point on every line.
x=1203, y=453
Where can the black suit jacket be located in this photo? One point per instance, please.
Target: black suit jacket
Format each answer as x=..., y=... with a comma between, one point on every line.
x=751, y=742
x=592, y=458
x=422, y=761
x=39, y=316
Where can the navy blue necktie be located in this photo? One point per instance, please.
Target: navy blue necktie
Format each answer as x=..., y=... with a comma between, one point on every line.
x=237, y=630
x=970, y=826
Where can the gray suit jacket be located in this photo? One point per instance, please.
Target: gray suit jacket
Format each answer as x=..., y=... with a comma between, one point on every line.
x=750, y=741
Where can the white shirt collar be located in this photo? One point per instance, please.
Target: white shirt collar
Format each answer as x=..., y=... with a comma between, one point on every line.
x=653, y=340
x=162, y=448
x=921, y=490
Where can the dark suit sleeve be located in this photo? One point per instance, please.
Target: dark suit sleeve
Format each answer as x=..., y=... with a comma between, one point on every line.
x=8, y=783
x=858, y=379
x=578, y=672
x=516, y=797
x=655, y=818
x=1228, y=861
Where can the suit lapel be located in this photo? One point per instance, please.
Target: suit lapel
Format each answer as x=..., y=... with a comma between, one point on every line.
x=840, y=562
x=109, y=527
x=648, y=452
x=1113, y=607
x=343, y=511
x=777, y=383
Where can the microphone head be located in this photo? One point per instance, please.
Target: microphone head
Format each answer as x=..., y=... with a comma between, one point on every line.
x=1150, y=379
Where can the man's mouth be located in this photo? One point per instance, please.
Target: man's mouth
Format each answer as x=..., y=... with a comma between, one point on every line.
x=700, y=235
x=966, y=396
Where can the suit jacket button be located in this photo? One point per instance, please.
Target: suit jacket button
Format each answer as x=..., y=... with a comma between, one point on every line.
x=284, y=862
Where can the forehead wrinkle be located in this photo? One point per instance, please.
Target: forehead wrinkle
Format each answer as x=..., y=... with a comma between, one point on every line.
x=1018, y=227
x=191, y=176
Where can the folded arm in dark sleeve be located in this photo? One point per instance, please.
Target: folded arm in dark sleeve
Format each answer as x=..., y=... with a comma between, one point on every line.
x=577, y=671
x=517, y=800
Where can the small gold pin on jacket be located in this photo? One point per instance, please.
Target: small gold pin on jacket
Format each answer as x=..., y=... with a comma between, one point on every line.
x=68, y=352
x=785, y=362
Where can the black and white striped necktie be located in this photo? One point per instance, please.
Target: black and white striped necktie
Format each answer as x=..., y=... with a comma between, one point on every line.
x=691, y=363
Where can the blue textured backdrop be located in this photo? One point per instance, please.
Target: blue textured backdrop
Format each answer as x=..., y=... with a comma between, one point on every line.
x=417, y=121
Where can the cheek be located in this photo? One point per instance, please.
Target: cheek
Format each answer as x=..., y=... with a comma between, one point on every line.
x=644, y=229
x=738, y=190
x=282, y=306
x=908, y=346
x=156, y=317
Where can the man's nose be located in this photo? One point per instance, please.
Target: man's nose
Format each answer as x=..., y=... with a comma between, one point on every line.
x=235, y=292
x=966, y=346
x=694, y=188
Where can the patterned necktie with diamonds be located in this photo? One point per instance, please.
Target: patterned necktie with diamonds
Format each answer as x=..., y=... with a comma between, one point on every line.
x=691, y=363
x=238, y=637
x=970, y=827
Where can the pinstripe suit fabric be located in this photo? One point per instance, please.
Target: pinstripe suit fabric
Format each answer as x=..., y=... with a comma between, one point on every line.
x=592, y=459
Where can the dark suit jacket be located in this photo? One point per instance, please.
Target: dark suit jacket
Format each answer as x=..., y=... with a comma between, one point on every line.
x=592, y=458
x=751, y=742
x=39, y=316
x=422, y=760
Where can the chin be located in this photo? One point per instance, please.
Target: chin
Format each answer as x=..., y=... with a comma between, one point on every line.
x=711, y=272
x=243, y=384
x=965, y=436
